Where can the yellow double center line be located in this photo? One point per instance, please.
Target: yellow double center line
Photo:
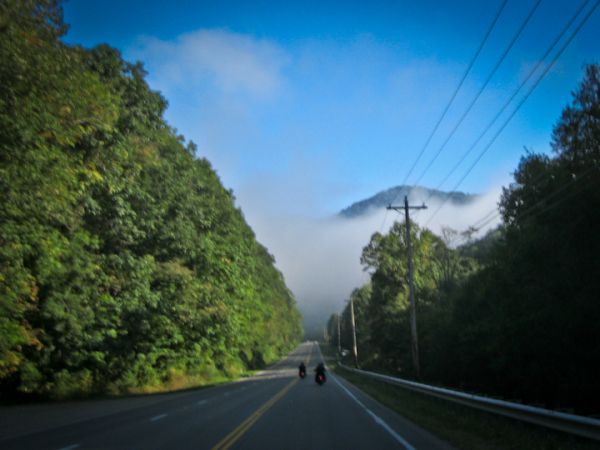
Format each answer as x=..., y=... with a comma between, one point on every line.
x=236, y=434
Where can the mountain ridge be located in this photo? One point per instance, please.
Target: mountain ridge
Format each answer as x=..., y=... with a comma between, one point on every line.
x=416, y=195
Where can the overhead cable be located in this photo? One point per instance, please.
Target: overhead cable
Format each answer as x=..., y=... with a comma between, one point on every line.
x=515, y=93
x=486, y=82
x=525, y=97
x=531, y=210
x=455, y=93
x=469, y=67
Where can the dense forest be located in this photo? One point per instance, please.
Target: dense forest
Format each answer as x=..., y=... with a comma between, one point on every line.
x=124, y=263
x=516, y=314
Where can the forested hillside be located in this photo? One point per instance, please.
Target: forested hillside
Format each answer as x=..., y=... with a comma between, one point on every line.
x=416, y=194
x=124, y=263
x=517, y=314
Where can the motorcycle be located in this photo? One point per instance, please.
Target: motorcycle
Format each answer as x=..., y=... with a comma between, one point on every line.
x=302, y=373
x=320, y=378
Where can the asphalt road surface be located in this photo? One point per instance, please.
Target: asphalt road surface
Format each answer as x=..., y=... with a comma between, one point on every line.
x=272, y=410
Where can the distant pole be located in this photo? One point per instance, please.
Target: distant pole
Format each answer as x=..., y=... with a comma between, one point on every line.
x=354, y=346
x=339, y=338
x=411, y=286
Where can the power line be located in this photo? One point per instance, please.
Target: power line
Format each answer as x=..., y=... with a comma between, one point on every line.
x=455, y=93
x=515, y=93
x=525, y=97
x=494, y=213
x=488, y=79
x=470, y=66
x=488, y=221
x=531, y=210
x=383, y=222
x=506, y=104
x=486, y=217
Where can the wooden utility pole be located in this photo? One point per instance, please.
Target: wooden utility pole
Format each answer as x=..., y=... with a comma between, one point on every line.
x=411, y=286
x=354, y=346
x=339, y=338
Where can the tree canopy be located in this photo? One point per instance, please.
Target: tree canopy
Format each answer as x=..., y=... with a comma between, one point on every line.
x=124, y=262
x=515, y=314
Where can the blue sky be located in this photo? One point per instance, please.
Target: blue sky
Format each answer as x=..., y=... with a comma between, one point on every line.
x=345, y=90
x=306, y=107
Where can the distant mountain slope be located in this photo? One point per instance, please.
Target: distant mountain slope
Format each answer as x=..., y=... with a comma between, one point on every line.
x=396, y=194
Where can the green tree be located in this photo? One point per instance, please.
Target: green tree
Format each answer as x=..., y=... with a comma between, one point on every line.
x=124, y=262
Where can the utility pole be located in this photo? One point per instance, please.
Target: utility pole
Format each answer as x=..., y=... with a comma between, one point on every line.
x=339, y=338
x=354, y=346
x=411, y=287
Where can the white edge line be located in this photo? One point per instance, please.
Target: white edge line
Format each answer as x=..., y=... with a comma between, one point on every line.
x=375, y=417
x=160, y=416
x=396, y=436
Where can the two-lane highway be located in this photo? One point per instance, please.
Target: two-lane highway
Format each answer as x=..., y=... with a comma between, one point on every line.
x=272, y=410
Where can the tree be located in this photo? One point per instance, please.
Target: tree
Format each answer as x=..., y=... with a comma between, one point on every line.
x=124, y=263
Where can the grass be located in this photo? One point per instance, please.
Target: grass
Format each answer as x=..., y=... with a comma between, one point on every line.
x=464, y=427
x=177, y=382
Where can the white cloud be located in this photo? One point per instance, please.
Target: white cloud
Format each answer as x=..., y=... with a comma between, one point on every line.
x=232, y=62
x=286, y=159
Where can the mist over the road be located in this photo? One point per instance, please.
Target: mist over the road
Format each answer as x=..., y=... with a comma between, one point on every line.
x=320, y=257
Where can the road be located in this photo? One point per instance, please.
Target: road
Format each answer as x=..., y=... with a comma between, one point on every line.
x=272, y=410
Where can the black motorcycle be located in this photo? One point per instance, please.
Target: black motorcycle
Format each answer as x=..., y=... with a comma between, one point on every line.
x=301, y=373
x=320, y=378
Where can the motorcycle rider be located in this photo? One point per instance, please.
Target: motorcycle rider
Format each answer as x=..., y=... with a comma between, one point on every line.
x=302, y=369
x=320, y=370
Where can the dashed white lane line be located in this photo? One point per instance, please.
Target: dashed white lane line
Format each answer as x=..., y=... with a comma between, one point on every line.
x=160, y=416
x=70, y=447
x=202, y=402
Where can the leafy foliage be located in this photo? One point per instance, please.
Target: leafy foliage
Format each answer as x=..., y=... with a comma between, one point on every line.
x=123, y=261
x=515, y=314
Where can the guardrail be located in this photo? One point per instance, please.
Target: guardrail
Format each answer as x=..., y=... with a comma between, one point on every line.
x=570, y=423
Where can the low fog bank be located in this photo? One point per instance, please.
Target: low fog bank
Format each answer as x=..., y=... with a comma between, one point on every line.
x=320, y=257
